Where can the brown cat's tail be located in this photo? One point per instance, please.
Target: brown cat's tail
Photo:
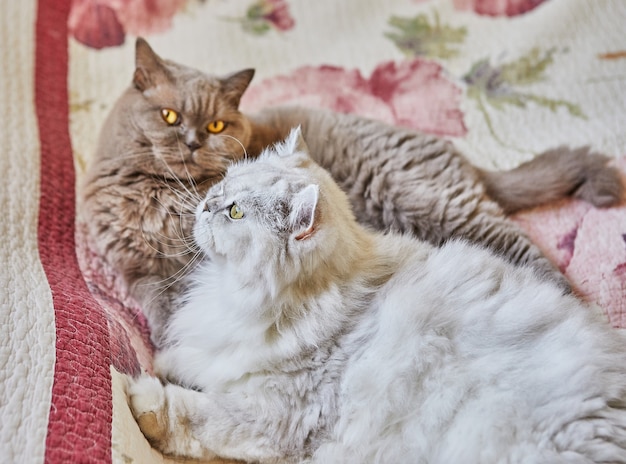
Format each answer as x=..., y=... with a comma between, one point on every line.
x=553, y=175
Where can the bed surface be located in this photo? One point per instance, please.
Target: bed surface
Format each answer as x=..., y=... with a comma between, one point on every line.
x=503, y=79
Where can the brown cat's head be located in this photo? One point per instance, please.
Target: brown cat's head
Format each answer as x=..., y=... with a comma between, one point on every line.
x=186, y=120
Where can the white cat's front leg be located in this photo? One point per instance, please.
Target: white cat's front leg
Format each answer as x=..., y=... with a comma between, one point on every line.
x=189, y=423
x=163, y=416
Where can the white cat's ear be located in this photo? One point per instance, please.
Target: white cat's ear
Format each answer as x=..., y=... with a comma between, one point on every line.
x=235, y=85
x=295, y=141
x=149, y=69
x=302, y=217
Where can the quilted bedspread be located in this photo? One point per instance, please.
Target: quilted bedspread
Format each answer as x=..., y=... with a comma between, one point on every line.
x=503, y=79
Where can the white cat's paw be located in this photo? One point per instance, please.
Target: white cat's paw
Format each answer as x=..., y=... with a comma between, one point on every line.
x=148, y=403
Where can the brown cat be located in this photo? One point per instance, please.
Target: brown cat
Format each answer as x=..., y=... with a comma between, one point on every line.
x=172, y=134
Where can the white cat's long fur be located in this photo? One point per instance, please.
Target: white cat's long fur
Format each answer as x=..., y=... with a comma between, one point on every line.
x=352, y=346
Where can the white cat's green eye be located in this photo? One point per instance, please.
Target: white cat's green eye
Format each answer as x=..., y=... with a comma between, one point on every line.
x=236, y=212
x=171, y=117
x=216, y=127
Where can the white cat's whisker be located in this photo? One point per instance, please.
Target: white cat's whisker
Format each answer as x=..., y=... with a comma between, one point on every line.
x=168, y=282
x=185, y=244
x=163, y=254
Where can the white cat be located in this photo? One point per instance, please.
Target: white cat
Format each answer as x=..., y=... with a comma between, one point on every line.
x=309, y=338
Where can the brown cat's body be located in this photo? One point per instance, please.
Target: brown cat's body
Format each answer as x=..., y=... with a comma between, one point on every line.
x=402, y=180
x=173, y=133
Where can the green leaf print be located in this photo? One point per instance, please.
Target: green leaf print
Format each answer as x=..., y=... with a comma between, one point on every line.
x=418, y=37
x=499, y=86
x=527, y=69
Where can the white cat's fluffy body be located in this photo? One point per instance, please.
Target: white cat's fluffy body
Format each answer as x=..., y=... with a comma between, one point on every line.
x=309, y=337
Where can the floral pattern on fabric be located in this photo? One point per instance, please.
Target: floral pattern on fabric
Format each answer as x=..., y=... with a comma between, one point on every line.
x=419, y=37
x=105, y=23
x=615, y=55
x=266, y=15
x=501, y=85
x=567, y=232
x=413, y=93
x=446, y=57
x=498, y=7
x=489, y=86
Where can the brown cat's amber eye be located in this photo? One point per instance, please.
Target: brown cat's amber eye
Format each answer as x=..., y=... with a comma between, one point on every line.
x=216, y=127
x=170, y=116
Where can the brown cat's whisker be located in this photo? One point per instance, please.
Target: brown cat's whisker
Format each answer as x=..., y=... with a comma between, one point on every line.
x=188, y=201
x=245, y=152
x=188, y=175
x=181, y=183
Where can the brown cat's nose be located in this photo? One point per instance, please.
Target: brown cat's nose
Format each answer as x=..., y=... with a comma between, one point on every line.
x=193, y=145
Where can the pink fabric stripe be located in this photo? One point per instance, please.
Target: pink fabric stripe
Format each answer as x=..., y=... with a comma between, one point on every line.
x=79, y=429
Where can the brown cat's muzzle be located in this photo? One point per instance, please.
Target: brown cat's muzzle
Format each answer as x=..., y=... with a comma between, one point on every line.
x=193, y=145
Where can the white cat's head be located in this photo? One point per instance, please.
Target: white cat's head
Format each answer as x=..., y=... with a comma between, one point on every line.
x=277, y=218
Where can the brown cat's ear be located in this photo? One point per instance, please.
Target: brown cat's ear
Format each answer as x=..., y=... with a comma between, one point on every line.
x=236, y=84
x=149, y=68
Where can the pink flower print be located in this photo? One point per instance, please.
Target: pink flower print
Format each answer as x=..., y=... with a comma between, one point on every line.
x=319, y=87
x=279, y=15
x=105, y=23
x=589, y=246
x=145, y=17
x=420, y=96
x=264, y=15
x=554, y=228
x=498, y=7
x=411, y=93
x=95, y=24
x=597, y=266
x=568, y=244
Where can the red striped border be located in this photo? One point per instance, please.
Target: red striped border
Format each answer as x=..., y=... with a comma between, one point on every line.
x=79, y=428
